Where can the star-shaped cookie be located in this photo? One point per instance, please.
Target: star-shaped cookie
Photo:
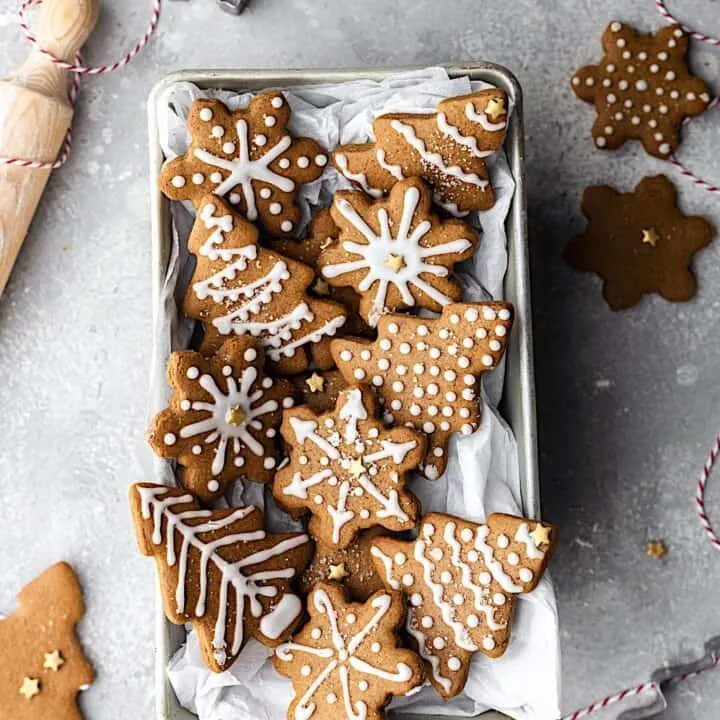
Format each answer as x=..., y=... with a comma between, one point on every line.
x=461, y=580
x=425, y=370
x=223, y=416
x=345, y=662
x=641, y=88
x=247, y=157
x=347, y=469
x=395, y=253
x=639, y=242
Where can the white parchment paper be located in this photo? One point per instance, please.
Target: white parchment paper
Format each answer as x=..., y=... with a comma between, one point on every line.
x=482, y=474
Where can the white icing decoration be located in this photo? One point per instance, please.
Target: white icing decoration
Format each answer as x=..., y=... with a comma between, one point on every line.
x=243, y=171
x=359, y=178
x=523, y=535
x=373, y=255
x=247, y=588
x=435, y=159
x=453, y=133
x=387, y=563
x=426, y=654
x=395, y=170
x=341, y=657
x=493, y=565
x=482, y=119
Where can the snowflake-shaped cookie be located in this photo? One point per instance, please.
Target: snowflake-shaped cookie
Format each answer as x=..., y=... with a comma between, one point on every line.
x=222, y=421
x=639, y=242
x=345, y=663
x=641, y=89
x=461, y=580
x=220, y=570
x=348, y=469
x=395, y=252
x=248, y=157
x=425, y=370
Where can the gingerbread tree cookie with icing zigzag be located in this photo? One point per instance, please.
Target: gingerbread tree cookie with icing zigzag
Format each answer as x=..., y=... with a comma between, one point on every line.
x=447, y=148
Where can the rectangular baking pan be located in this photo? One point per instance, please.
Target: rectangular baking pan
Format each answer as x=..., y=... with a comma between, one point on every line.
x=518, y=402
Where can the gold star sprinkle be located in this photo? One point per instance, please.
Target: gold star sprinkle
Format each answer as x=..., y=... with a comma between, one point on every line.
x=495, y=108
x=650, y=237
x=395, y=262
x=321, y=287
x=337, y=572
x=235, y=416
x=656, y=549
x=30, y=688
x=357, y=468
x=315, y=382
x=53, y=661
x=541, y=535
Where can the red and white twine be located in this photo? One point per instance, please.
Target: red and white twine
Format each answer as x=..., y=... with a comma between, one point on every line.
x=77, y=69
x=700, y=494
x=662, y=9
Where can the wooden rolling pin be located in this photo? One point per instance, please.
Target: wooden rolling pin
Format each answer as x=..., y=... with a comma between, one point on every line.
x=35, y=113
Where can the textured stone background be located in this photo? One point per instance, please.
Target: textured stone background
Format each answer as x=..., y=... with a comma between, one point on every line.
x=628, y=403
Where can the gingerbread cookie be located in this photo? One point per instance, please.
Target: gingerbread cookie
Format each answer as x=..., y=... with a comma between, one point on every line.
x=641, y=89
x=395, y=253
x=639, y=242
x=220, y=571
x=319, y=391
x=347, y=469
x=240, y=288
x=345, y=662
x=461, y=580
x=447, y=148
x=222, y=420
x=352, y=567
x=42, y=666
x=425, y=370
x=248, y=157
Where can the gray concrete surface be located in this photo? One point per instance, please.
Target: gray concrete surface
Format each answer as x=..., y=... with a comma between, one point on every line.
x=628, y=402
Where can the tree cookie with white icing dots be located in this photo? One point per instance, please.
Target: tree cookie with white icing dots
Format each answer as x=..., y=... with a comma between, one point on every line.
x=348, y=469
x=395, y=253
x=249, y=158
x=426, y=370
x=220, y=571
x=447, y=148
x=221, y=424
x=641, y=89
x=241, y=288
x=461, y=580
x=345, y=662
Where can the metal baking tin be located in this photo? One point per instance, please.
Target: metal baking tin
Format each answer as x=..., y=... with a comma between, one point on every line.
x=518, y=402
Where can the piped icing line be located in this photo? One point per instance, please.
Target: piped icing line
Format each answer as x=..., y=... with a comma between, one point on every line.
x=461, y=636
x=494, y=565
x=359, y=178
x=307, y=430
x=245, y=588
x=390, y=449
x=482, y=119
x=339, y=514
x=243, y=171
x=466, y=578
x=449, y=207
x=216, y=425
x=435, y=159
x=341, y=656
x=375, y=251
x=395, y=170
x=468, y=142
x=434, y=661
x=388, y=565
x=523, y=535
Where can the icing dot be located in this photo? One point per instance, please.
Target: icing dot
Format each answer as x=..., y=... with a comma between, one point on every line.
x=426, y=622
x=206, y=114
x=378, y=380
x=260, y=140
x=623, y=84
x=218, y=131
x=400, y=558
x=270, y=121
x=487, y=360
x=642, y=55
x=466, y=535
x=635, y=120
x=436, y=554
x=275, y=208
x=454, y=319
x=690, y=96
x=250, y=355
x=485, y=578
x=416, y=599
x=198, y=178
x=458, y=599
x=331, y=698
x=664, y=148
x=351, y=618
x=652, y=122
x=265, y=193
x=375, y=647
x=499, y=599
x=303, y=161
x=398, y=386
x=216, y=177
x=488, y=643
x=277, y=102
x=234, y=198
x=513, y=558
x=269, y=463
x=383, y=364
x=669, y=75
x=363, y=685
x=432, y=389
x=654, y=68
x=503, y=541
x=170, y=439
x=288, y=402
x=305, y=670
x=364, y=513
x=419, y=369
x=395, y=404
x=473, y=556
x=405, y=348
x=589, y=82
x=408, y=579
x=196, y=449
x=318, y=499
x=628, y=103
x=228, y=148
x=321, y=160
x=641, y=85
x=415, y=409
x=286, y=226
x=621, y=43
x=663, y=109
x=469, y=379
x=454, y=664
x=185, y=404
x=576, y=80
x=393, y=328
x=494, y=345
x=438, y=643
x=432, y=410
x=463, y=362
x=449, y=375
x=385, y=344
x=438, y=451
x=445, y=577
x=192, y=373
x=615, y=27
x=346, y=356
x=284, y=163
x=178, y=181
x=472, y=621
x=213, y=486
